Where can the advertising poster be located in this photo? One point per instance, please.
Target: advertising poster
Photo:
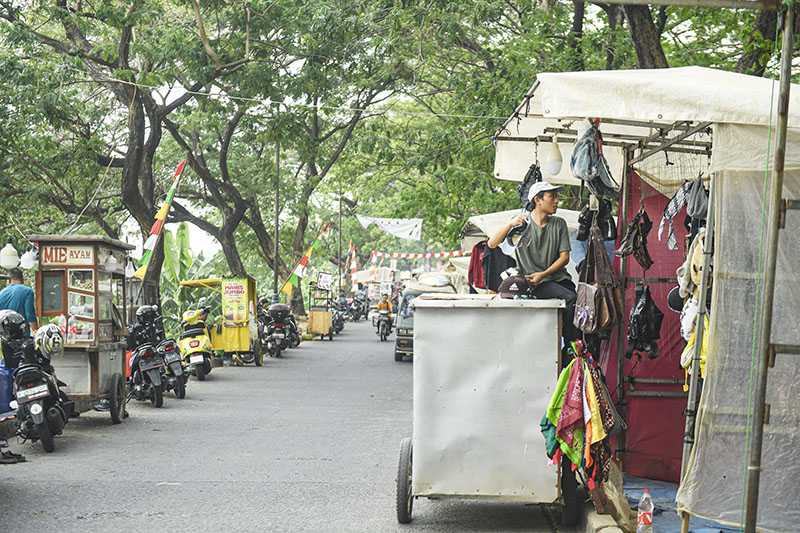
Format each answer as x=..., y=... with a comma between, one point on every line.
x=234, y=300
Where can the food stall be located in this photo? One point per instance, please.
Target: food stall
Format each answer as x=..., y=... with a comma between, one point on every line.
x=80, y=286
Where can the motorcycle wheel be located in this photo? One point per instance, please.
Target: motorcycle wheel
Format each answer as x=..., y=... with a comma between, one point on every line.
x=157, y=397
x=180, y=387
x=46, y=437
x=200, y=372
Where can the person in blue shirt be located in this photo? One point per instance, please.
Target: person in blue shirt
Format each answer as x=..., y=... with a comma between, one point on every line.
x=19, y=297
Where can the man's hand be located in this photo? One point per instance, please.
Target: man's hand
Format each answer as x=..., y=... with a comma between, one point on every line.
x=535, y=278
x=517, y=220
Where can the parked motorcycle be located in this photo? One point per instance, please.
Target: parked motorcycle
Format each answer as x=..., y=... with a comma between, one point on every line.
x=42, y=408
x=277, y=330
x=148, y=370
x=383, y=324
x=174, y=374
x=360, y=307
x=195, y=342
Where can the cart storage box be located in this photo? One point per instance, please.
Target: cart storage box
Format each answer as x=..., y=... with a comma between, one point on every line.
x=484, y=371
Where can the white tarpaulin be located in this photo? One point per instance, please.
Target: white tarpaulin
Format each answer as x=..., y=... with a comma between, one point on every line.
x=402, y=228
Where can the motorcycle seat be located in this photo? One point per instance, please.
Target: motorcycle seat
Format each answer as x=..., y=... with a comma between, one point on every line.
x=193, y=332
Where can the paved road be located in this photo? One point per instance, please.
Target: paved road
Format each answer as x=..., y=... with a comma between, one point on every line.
x=307, y=443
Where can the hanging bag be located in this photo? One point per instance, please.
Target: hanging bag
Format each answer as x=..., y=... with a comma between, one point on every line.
x=586, y=304
x=610, y=304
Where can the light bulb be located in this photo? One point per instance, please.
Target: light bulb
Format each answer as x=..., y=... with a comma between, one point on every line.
x=28, y=259
x=9, y=258
x=551, y=159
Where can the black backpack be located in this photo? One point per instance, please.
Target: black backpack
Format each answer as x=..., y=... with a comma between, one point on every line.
x=644, y=329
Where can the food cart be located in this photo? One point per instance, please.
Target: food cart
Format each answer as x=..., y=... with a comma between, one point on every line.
x=80, y=286
x=235, y=332
x=320, y=321
x=484, y=371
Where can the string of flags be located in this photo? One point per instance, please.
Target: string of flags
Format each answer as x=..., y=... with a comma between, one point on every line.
x=375, y=255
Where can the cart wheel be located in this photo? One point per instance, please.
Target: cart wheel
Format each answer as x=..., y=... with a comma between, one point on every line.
x=397, y=355
x=157, y=397
x=405, y=500
x=180, y=387
x=117, y=399
x=330, y=335
x=46, y=437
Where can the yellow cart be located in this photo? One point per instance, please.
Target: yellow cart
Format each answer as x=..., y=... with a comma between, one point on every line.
x=319, y=312
x=235, y=332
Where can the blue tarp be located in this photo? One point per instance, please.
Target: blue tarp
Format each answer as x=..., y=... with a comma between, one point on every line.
x=665, y=514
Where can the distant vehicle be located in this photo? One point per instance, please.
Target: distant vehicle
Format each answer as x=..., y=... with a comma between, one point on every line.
x=428, y=283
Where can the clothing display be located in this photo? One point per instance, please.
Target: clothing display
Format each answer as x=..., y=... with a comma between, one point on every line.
x=644, y=327
x=495, y=262
x=589, y=164
x=676, y=203
x=691, y=271
x=580, y=417
x=635, y=240
x=475, y=273
x=605, y=221
x=693, y=196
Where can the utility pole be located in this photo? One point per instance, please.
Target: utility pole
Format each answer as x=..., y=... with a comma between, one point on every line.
x=275, y=261
x=340, y=235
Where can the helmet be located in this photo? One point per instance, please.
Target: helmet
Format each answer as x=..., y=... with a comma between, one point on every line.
x=48, y=340
x=12, y=325
x=146, y=313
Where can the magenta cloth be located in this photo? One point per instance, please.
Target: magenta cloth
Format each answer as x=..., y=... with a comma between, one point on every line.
x=572, y=410
x=654, y=440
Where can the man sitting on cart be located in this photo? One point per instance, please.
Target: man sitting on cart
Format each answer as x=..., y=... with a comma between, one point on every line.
x=542, y=252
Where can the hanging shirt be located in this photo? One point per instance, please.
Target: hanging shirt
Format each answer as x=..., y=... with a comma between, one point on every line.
x=540, y=247
x=674, y=206
x=475, y=274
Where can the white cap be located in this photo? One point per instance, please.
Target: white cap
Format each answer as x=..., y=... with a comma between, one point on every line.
x=540, y=187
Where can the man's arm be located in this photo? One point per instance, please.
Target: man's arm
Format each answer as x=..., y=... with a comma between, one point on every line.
x=495, y=240
x=558, y=264
x=30, y=312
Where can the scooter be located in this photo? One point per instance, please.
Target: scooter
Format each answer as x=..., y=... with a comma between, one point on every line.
x=147, y=371
x=174, y=374
x=195, y=343
x=42, y=411
x=276, y=336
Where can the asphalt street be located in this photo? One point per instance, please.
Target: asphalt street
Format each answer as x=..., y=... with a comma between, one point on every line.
x=309, y=442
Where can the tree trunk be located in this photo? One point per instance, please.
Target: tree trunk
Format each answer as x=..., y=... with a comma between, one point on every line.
x=614, y=18
x=759, y=45
x=576, y=35
x=645, y=37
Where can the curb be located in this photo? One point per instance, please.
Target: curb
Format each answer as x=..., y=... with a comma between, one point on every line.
x=597, y=523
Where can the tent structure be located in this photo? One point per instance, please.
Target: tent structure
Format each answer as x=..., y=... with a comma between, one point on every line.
x=722, y=124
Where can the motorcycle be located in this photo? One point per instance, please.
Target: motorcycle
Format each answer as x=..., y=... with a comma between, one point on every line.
x=148, y=370
x=195, y=343
x=277, y=329
x=337, y=318
x=42, y=409
x=384, y=325
x=360, y=307
x=175, y=376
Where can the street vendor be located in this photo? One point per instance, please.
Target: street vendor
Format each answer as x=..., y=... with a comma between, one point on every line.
x=542, y=252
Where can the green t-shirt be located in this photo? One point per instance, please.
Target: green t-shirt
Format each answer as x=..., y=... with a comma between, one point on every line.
x=538, y=248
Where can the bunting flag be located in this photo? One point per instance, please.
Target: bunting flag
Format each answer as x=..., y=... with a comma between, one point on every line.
x=353, y=260
x=402, y=228
x=416, y=255
x=299, y=271
x=158, y=225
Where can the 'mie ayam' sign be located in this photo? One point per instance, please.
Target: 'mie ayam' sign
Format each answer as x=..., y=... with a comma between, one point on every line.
x=54, y=255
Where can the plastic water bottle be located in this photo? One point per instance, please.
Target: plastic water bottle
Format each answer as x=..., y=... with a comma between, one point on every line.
x=645, y=520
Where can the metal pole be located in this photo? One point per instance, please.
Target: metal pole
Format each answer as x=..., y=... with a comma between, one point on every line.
x=765, y=327
x=276, y=253
x=694, y=388
x=339, y=257
x=623, y=269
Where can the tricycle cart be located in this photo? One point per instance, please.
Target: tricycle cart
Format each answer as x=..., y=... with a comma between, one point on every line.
x=235, y=333
x=80, y=286
x=484, y=371
x=320, y=320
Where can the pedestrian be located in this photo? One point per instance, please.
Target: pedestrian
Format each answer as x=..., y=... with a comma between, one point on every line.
x=19, y=297
x=543, y=250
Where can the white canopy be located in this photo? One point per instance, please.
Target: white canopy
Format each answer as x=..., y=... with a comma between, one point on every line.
x=480, y=227
x=736, y=105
